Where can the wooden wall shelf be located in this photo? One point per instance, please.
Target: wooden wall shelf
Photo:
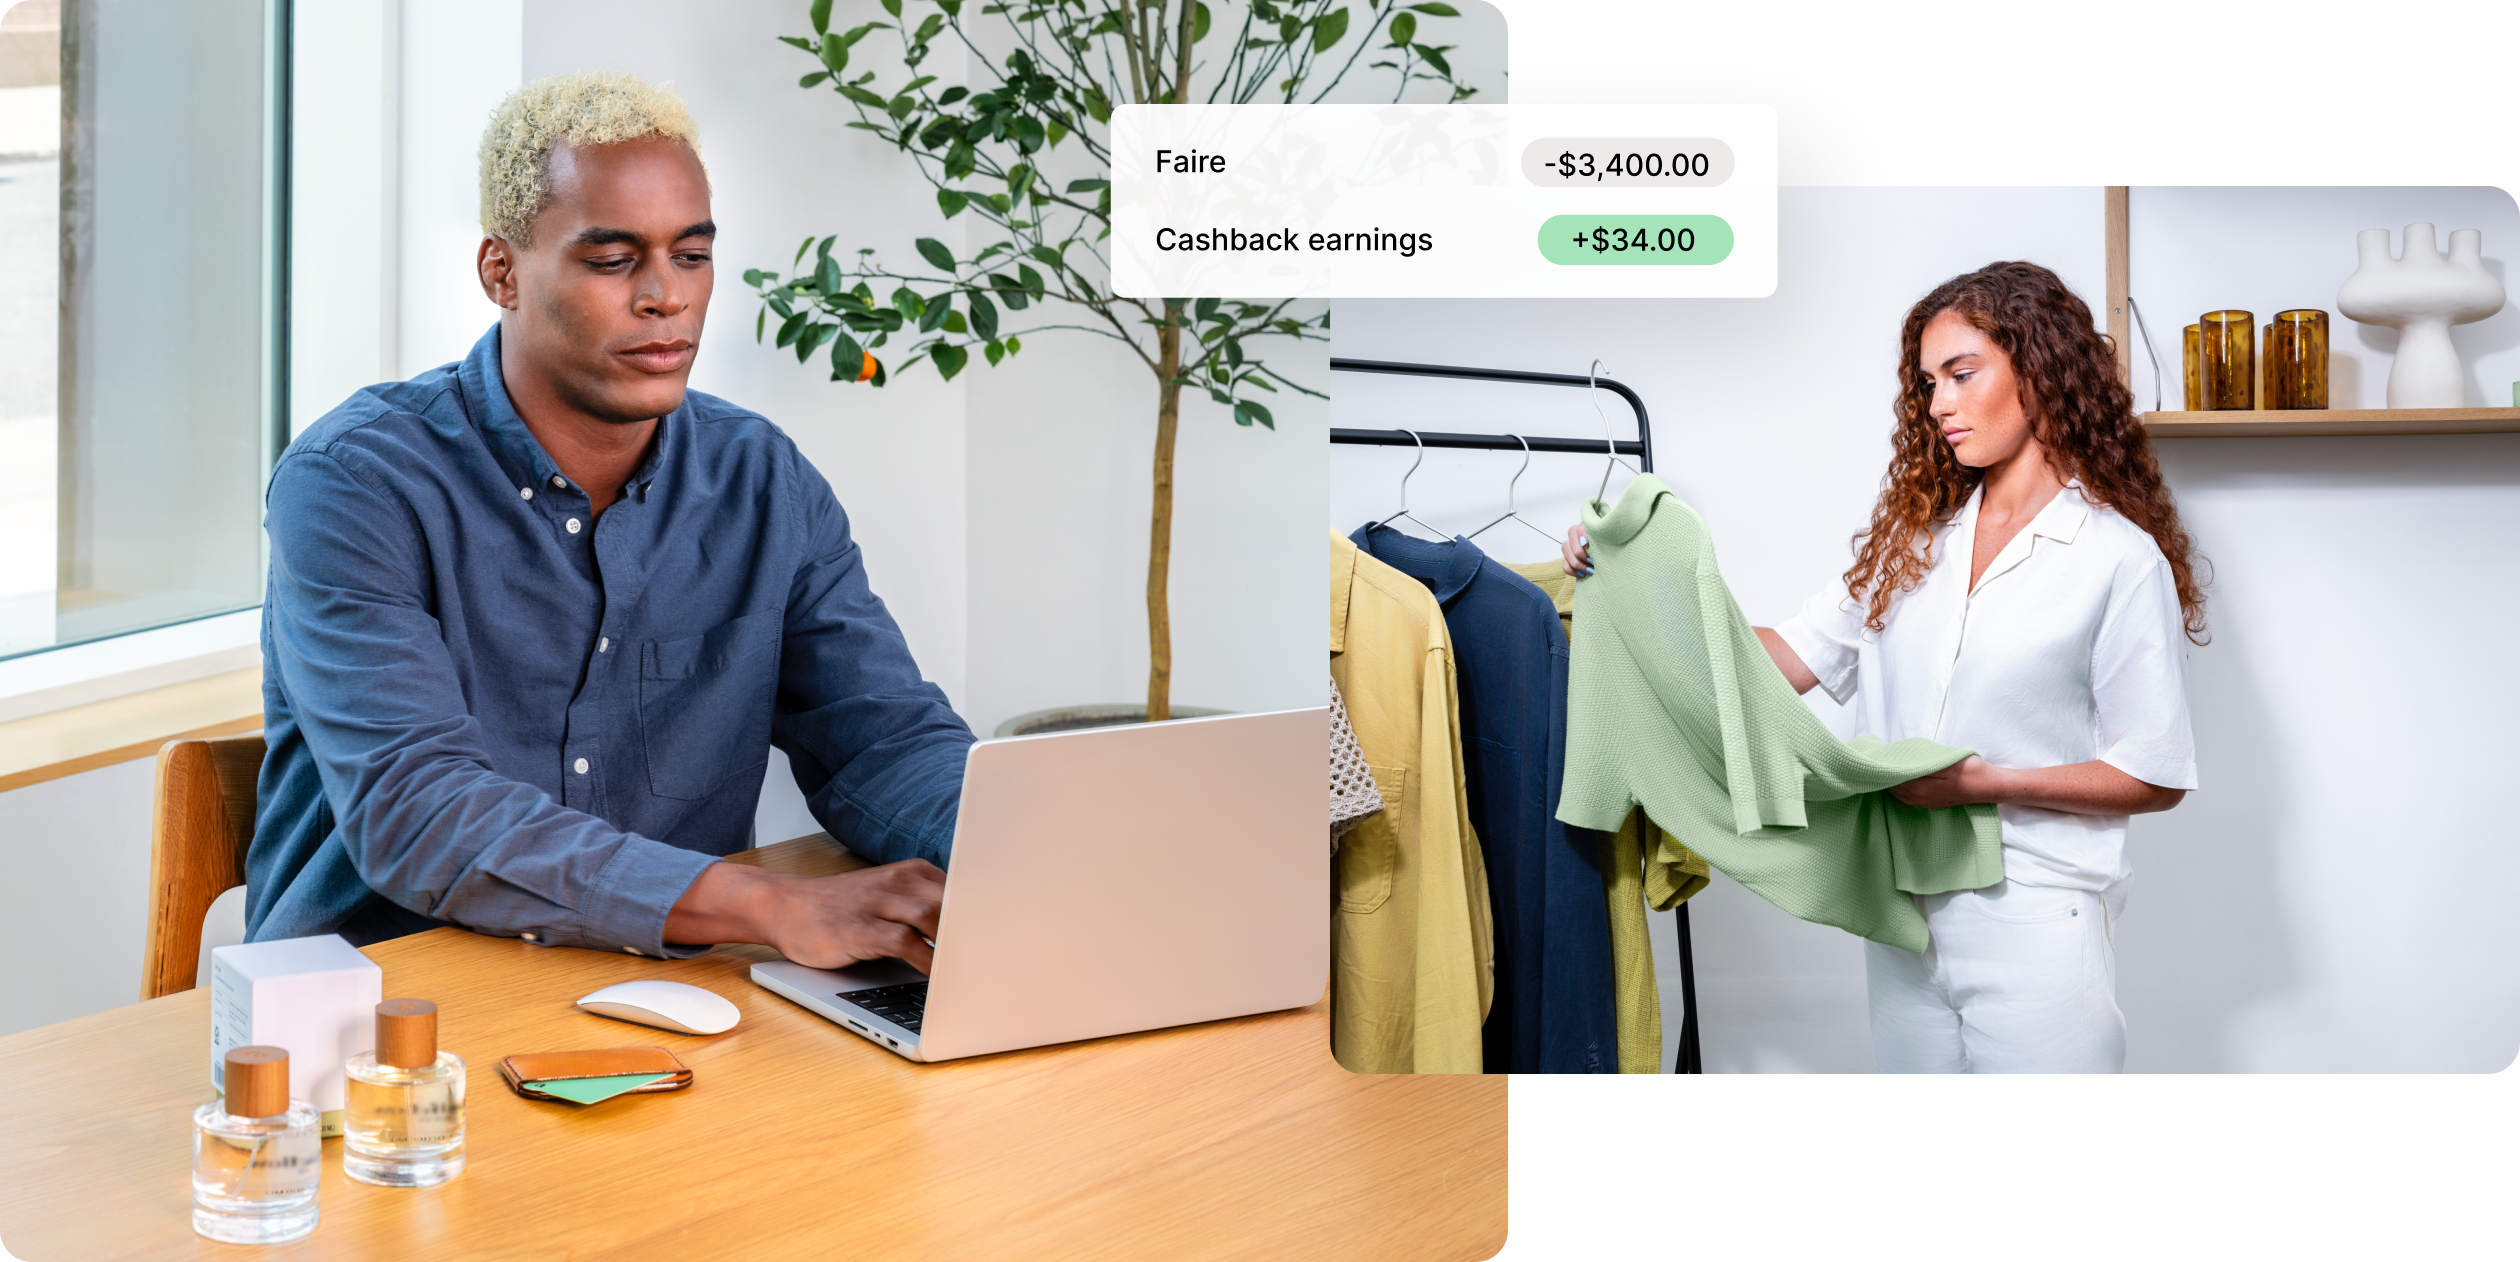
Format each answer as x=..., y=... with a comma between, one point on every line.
x=2302, y=423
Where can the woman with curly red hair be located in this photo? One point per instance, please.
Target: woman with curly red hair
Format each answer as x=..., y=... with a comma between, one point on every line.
x=2025, y=590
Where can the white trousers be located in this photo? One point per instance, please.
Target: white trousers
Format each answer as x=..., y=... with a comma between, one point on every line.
x=2019, y=979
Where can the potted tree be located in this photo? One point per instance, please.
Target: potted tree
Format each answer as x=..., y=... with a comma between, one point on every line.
x=1054, y=70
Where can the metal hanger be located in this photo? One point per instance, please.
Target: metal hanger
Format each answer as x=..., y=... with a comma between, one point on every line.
x=1510, y=509
x=1403, y=514
x=1592, y=391
x=2149, y=352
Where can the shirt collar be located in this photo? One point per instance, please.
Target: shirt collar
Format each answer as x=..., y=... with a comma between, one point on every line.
x=1620, y=522
x=1448, y=566
x=1342, y=574
x=486, y=398
x=2061, y=519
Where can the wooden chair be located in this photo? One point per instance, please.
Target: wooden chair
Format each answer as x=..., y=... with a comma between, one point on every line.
x=200, y=828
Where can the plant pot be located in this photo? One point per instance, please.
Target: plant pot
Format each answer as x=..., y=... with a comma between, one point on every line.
x=1070, y=718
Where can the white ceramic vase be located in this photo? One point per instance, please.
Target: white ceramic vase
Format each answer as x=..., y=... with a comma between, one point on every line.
x=2421, y=294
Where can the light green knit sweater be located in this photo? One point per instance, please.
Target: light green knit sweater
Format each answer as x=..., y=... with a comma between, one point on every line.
x=1673, y=705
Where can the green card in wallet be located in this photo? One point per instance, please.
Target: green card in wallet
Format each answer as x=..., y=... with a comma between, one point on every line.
x=588, y=1077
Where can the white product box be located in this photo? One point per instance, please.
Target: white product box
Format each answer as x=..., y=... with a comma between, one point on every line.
x=315, y=996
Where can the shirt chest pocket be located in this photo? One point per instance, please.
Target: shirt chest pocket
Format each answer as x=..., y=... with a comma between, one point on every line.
x=705, y=704
x=1370, y=853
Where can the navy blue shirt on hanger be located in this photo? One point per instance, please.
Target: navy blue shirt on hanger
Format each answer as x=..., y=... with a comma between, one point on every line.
x=1555, y=1011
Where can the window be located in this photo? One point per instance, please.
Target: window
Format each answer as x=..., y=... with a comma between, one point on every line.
x=138, y=275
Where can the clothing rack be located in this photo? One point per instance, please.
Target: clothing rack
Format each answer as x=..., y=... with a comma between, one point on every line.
x=1686, y=1060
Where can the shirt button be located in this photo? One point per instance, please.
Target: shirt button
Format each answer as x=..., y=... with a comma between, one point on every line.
x=559, y=483
x=529, y=937
x=581, y=766
x=573, y=525
x=603, y=644
x=526, y=491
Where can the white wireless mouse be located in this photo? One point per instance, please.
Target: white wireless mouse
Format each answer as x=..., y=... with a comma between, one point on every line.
x=665, y=1005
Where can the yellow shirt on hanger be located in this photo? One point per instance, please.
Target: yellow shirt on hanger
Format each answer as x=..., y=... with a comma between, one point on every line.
x=1412, y=955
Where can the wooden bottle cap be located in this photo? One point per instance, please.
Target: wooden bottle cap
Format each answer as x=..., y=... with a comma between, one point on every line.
x=406, y=1033
x=257, y=1081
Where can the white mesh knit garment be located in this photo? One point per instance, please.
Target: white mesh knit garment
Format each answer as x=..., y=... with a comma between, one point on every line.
x=1352, y=792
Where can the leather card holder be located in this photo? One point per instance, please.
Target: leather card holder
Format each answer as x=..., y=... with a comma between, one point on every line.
x=601, y=1063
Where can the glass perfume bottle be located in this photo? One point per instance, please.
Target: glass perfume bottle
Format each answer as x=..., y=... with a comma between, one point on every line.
x=257, y=1154
x=405, y=1103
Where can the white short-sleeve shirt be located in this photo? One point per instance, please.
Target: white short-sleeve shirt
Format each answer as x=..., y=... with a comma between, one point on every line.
x=2071, y=649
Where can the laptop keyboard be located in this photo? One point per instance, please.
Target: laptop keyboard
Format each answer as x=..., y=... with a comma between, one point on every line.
x=902, y=1005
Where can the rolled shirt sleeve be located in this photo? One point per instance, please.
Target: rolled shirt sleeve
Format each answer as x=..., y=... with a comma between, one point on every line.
x=2139, y=681
x=376, y=698
x=1827, y=634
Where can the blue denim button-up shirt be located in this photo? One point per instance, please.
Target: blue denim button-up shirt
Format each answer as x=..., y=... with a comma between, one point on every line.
x=487, y=707
x=1556, y=1005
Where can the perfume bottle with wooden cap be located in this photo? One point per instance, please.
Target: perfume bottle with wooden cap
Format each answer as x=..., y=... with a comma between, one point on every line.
x=257, y=1154
x=405, y=1103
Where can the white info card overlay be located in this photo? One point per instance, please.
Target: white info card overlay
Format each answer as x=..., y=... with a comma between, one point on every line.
x=1443, y=201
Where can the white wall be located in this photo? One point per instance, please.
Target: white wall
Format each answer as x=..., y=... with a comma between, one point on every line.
x=2297, y=915
x=77, y=854
x=2298, y=912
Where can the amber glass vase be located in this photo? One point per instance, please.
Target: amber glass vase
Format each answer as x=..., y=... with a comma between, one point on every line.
x=2297, y=360
x=2226, y=361
x=2188, y=353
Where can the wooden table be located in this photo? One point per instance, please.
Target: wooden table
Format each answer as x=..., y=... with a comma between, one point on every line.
x=1233, y=1139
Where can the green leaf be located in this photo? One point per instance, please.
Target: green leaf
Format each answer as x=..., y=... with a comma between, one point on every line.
x=893, y=7
x=870, y=100
x=835, y=54
x=1327, y=29
x=950, y=202
x=1047, y=255
x=936, y=254
x=760, y=320
x=960, y=159
x=814, y=335
x=798, y=41
x=753, y=276
x=906, y=306
x=952, y=8
x=1403, y=29
x=952, y=94
x=1032, y=279
x=928, y=29
x=1206, y=308
x=949, y=359
x=827, y=276
x=847, y=358
x=954, y=323
x=1198, y=23
x=1087, y=186
x=1435, y=57
x=819, y=12
x=794, y=325
x=1058, y=132
x=813, y=79
x=939, y=309
x=995, y=350
x=1014, y=344
x=1437, y=10
x=984, y=317
x=1098, y=105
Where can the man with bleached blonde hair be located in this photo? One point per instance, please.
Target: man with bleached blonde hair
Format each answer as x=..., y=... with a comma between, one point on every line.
x=536, y=617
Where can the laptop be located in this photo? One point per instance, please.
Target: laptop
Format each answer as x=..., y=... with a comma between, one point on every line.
x=1110, y=880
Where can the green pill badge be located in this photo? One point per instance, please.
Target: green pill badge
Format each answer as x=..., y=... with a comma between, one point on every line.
x=1636, y=240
